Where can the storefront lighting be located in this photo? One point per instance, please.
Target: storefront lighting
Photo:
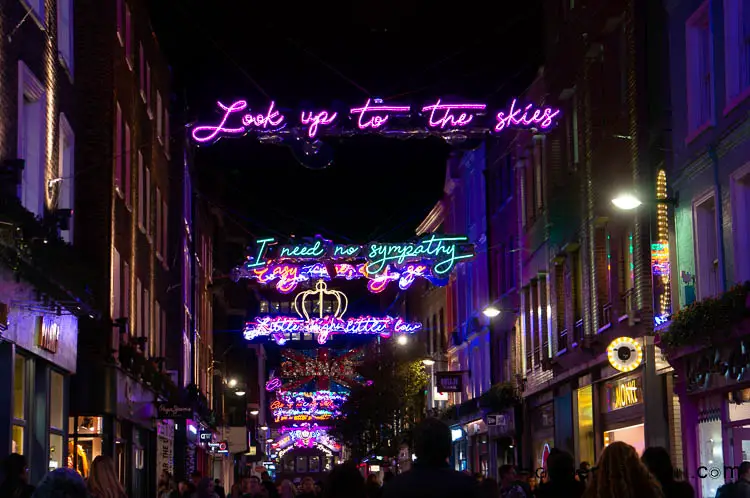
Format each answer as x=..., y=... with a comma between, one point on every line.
x=625, y=354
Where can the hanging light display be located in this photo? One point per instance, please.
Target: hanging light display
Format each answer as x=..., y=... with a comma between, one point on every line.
x=660, y=266
x=321, y=369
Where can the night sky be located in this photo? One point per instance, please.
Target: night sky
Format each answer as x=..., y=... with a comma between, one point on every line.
x=403, y=51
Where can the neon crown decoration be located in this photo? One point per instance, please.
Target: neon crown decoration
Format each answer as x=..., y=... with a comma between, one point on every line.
x=432, y=257
x=440, y=117
x=281, y=328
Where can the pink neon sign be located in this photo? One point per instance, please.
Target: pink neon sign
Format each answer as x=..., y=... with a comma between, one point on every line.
x=281, y=327
x=375, y=116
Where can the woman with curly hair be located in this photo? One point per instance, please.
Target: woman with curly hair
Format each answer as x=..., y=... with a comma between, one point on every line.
x=620, y=474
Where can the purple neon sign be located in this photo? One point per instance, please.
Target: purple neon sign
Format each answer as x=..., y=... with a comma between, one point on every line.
x=440, y=116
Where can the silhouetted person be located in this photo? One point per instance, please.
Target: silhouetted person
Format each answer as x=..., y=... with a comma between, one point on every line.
x=60, y=483
x=16, y=483
x=561, y=473
x=266, y=482
x=345, y=481
x=583, y=472
x=373, y=487
x=509, y=487
x=659, y=463
x=219, y=489
x=489, y=488
x=431, y=477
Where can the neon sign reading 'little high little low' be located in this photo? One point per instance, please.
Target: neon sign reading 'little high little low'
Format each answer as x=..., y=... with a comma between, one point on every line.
x=433, y=257
x=239, y=118
x=281, y=327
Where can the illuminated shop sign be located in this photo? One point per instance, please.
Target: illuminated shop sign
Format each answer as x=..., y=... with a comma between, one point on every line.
x=432, y=257
x=373, y=116
x=307, y=406
x=305, y=435
x=623, y=393
x=625, y=354
x=48, y=333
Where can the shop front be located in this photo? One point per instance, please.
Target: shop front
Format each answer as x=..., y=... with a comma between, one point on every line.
x=479, y=446
x=38, y=352
x=622, y=414
x=460, y=458
x=542, y=431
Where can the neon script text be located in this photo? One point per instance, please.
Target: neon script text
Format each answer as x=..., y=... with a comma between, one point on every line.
x=271, y=120
x=443, y=115
x=526, y=117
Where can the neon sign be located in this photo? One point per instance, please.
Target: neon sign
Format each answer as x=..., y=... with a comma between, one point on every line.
x=321, y=369
x=273, y=384
x=307, y=406
x=660, y=266
x=433, y=257
x=280, y=328
x=238, y=119
x=305, y=435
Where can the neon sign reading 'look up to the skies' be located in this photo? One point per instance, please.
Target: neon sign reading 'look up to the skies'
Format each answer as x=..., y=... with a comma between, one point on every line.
x=439, y=116
x=433, y=257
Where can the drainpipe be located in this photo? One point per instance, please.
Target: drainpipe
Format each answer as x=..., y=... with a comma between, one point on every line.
x=719, y=218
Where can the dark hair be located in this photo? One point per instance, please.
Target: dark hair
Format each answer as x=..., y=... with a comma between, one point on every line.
x=504, y=470
x=345, y=481
x=489, y=488
x=14, y=466
x=62, y=483
x=744, y=468
x=659, y=463
x=432, y=442
x=561, y=466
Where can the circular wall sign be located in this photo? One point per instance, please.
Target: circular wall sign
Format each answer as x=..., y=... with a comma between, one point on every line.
x=625, y=354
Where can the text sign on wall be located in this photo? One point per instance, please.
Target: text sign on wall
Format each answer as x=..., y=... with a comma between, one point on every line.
x=447, y=382
x=373, y=116
x=622, y=393
x=174, y=412
x=48, y=333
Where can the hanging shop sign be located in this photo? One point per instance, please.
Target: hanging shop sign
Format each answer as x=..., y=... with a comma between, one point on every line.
x=174, y=412
x=222, y=447
x=321, y=369
x=432, y=257
x=622, y=393
x=48, y=333
x=205, y=436
x=625, y=354
x=449, y=382
x=440, y=117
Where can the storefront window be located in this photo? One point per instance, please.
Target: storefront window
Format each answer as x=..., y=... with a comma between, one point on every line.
x=314, y=464
x=56, y=408
x=301, y=465
x=632, y=435
x=585, y=399
x=711, y=454
x=20, y=381
x=55, y=451
x=84, y=442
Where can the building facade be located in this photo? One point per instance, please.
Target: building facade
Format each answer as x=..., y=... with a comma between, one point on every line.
x=710, y=85
x=585, y=268
x=43, y=284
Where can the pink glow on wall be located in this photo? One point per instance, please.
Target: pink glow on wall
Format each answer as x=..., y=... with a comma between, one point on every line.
x=527, y=117
x=313, y=120
x=378, y=114
x=444, y=115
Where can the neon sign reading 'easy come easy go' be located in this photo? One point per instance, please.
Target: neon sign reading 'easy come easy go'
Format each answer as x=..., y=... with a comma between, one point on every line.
x=433, y=257
x=440, y=116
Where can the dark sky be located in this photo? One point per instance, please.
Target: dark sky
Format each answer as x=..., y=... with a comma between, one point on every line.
x=295, y=52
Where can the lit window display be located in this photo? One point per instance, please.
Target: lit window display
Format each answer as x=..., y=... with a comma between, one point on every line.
x=84, y=443
x=20, y=382
x=711, y=454
x=632, y=435
x=585, y=398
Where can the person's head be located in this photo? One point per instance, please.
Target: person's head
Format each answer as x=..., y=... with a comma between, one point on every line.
x=507, y=475
x=620, y=474
x=103, y=481
x=253, y=485
x=183, y=487
x=478, y=476
x=373, y=479
x=432, y=442
x=16, y=468
x=658, y=461
x=308, y=485
x=561, y=466
x=744, y=471
x=61, y=483
x=265, y=476
x=217, y=482
x=205, y=488
x=196, y=478
x=489, y=488
x=584, y=465
x=387, y=476
x=345, y=481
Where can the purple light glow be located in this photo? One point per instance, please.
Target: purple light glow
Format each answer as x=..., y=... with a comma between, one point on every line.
x=445, y=117
x=271, y=120
x=323, y=118
x=520, y=117
x=379, y=113
x=273, y=384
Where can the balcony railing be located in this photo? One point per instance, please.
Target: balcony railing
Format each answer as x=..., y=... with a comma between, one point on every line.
x=562, y=339
x=578, y=332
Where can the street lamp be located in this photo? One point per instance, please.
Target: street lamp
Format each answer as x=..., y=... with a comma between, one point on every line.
x=491, y=311
x=626, y=202
x=240, y=393
x=428, y=362
x=232, y=383
x=263, y=427
x=254, y=412
x=402, y=340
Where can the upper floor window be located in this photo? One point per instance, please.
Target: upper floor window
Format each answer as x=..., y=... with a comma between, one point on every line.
x=65, y=33
x=31, y=139
x=700, y=95
x=166, y=132
x=120, y=22
x=706, y=246
x=142, y=70
x=159, y=117
x=127, y=161
x=128, y=38
x=141, y=193
x=67, y=173
x=736, y=49
x=148, y=89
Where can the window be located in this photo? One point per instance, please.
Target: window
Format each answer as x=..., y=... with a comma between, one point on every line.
x=159, y=116
x=126, y=292
x=142, y=70
x=528, y=342
x=141, y=192
x=147, y=188
x=706, y=246
x=699, y=77
x=116, y=284
x=148, y=88
x=186, y=354
x=740, y=198
x=146, y=330
x=166, y=132
x=128, y=38
x=163, y=331
x=158, y=223
x=85, y=434
x=538, y=172
x=65, y=33
x=164, y=230
x=56, y=411
x=120, y=27
x=560, y=305
x=31, y=139
x=137, y=329
x=20, y=404
x=736, y=48
x=127, y=159
x=118, y=149
x=67, y=173
x=510, y=267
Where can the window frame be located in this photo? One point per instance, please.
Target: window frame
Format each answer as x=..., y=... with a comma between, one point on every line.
x=65, y=54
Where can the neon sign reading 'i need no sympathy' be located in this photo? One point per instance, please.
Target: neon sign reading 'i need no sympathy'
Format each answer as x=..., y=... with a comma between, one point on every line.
x=239, y=118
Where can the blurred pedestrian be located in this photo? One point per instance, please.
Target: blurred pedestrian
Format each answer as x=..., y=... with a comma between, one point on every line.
x=489, y=488
x=345, y=481
x=561, y=478
x=60, y=483
x=659, y=463
x=509, y=487
x=16, y=483
x=103, y=481
x=621, y=474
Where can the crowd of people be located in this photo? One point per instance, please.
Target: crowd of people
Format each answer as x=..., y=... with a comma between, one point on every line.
x=619, y=473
